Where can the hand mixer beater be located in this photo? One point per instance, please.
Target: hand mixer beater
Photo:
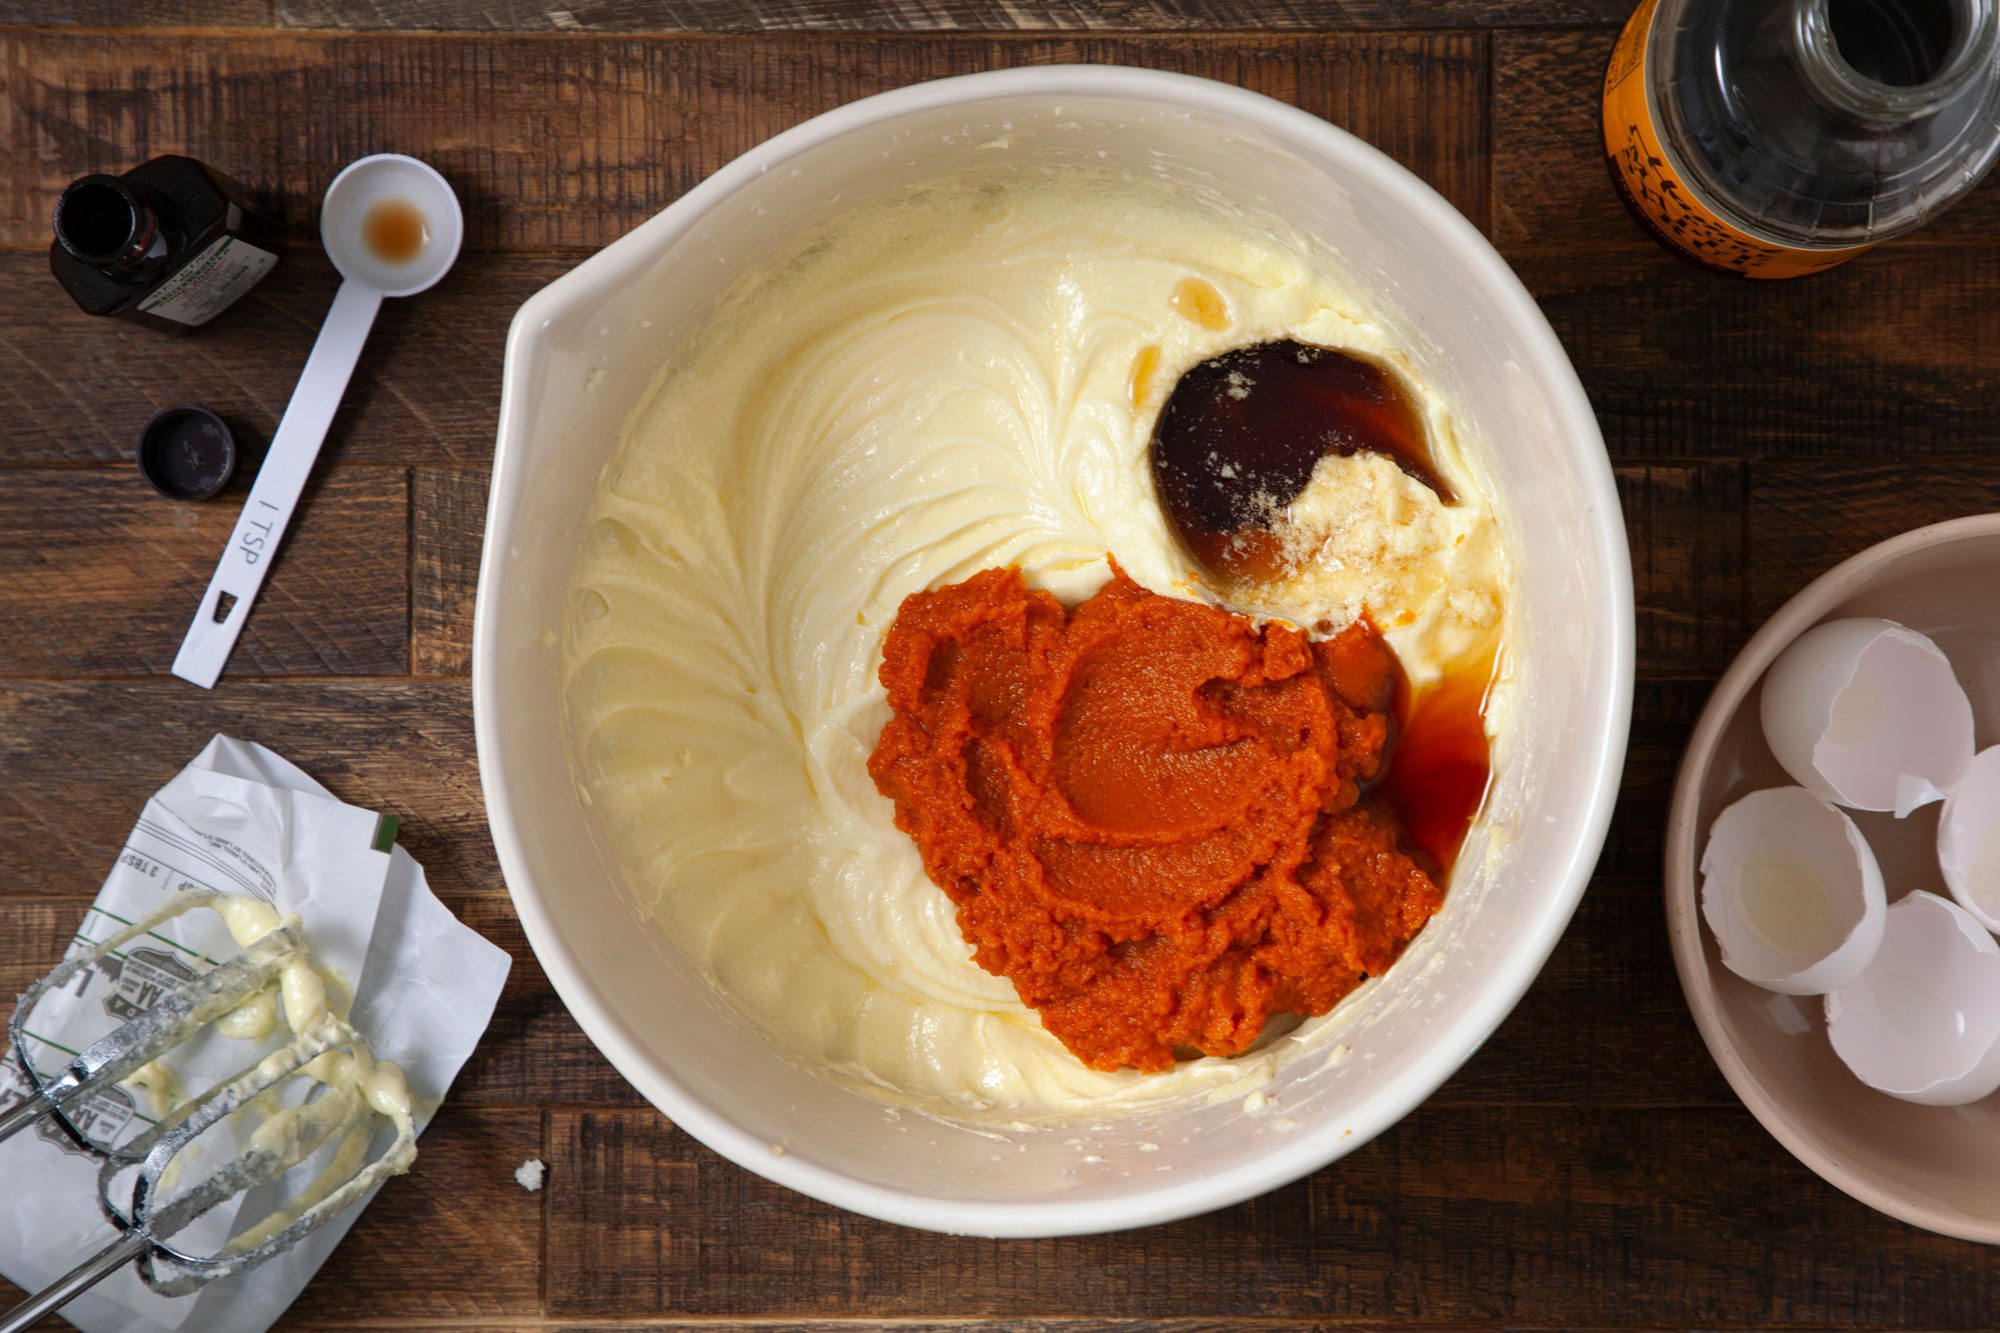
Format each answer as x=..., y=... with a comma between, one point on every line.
x=349, y=1095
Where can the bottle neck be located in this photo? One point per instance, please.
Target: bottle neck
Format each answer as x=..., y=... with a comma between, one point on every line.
x=106, y=223
x=1893, y=61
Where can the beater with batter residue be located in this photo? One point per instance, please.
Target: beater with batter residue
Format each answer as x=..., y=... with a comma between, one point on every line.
x=350, y=1090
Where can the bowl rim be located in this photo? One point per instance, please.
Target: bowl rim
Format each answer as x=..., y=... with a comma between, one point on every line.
x=1302, y=1152
x=1804, y=609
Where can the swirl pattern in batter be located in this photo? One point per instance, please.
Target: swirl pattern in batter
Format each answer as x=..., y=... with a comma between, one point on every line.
x=957, y=377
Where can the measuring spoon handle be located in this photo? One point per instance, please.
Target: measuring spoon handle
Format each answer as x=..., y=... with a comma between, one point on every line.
x=226, y=605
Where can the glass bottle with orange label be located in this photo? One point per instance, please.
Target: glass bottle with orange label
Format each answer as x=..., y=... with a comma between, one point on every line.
x=1776, y=138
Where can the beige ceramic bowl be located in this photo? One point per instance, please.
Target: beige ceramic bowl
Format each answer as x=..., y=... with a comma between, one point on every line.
x=1934, y=1167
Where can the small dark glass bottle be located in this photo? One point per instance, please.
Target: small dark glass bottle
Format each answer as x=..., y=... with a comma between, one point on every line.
x=171, y=243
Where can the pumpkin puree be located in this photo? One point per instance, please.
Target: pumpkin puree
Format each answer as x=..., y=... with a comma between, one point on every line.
x=1152, y=814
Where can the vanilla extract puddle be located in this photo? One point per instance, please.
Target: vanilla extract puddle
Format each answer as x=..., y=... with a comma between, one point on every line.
x=395, y=230
x=1238, y=441
x=1441, y=763
x=1242, y=433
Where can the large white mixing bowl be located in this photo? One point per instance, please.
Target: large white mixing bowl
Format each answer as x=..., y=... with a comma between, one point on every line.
x=581, y=353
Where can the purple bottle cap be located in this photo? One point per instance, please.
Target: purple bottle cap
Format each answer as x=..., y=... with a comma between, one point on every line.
x=187, y=452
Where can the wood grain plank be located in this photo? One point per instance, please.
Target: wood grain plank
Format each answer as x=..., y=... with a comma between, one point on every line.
x=36, y=932
x=80, y=759
x=1805, y=518
x=855, y=1323
x=1685, y=527
x=1893, y=353
x=1551, y=188
x=155, y=14
x=456, y=1238
x=1461, y=1215
x=1663, y=715
x=742, y=16
x=449, y=509
x=533, y=1053
x=99, y=575
x=572, y=143
x=1604, y=1025
x=75, y=388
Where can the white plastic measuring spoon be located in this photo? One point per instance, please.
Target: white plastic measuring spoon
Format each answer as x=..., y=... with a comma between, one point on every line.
x=389, y=181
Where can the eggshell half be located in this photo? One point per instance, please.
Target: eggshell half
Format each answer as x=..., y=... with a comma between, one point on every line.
x=1923, y=1021
x=1869, y=715
x=1792, y=892
x=1969, y=839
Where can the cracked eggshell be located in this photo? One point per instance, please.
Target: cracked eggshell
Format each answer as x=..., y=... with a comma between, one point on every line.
x=1923, y=1021
x=1869, y=715
x=1969, y=839
x=1792, y=892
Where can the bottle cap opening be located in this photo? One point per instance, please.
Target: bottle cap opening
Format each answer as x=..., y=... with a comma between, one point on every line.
x=187, y=452
x=98, y=219
x=1897, y=43
x=1883, y=60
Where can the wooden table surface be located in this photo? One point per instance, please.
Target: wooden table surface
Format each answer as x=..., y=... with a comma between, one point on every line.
x=1588, y=1168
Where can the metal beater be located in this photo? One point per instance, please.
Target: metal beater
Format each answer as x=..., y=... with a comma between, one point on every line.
x=156, y=1213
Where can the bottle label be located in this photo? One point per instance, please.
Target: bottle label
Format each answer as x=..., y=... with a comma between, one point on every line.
x=208, y=284
x=1657, y=193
